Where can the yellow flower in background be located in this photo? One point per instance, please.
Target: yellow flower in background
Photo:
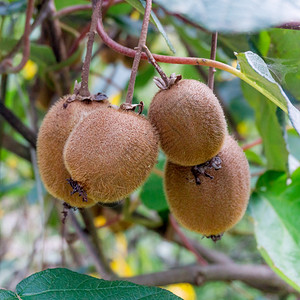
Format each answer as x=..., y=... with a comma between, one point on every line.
x=243, y=128
x=116, y=99
x=121, y=267
x=12, y=162
x=135, y=15
x=29, y=70
x=183, y=290
x=99, y=221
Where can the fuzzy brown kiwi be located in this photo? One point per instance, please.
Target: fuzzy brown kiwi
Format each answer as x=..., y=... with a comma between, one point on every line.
x=190, y=122
x=53, y=133
x=111, y=154
x=215, y=205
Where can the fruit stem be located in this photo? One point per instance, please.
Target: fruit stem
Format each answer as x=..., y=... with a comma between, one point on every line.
x=155, y=65
x=84, y=89
x=138, y=53
x=212, y=70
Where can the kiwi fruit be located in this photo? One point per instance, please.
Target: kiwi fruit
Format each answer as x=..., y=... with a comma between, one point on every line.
x=111, y=154
x=190, y=122
x=53, y=133
x=213, y=205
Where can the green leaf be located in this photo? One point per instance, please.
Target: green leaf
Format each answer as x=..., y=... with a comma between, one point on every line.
x=65, y=284
x=152, y=194
x=284, y=58
x=59, y=4
x=140, y=6
x=258, y=75
x=40, y=54
x=230, y=16
x=275, y=208
x=269, y=128
x=7, y=295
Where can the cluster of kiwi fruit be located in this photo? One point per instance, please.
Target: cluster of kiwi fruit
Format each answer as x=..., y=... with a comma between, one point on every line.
x=90, y=152
x=206, y=178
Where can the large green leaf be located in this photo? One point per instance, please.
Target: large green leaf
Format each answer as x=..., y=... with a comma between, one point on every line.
x=234, y=16
x=7, y=295
x=275, y=207
x=65, y=284
x=285, y=48
x=140, y=6
x=269, y=128
x=256, y=73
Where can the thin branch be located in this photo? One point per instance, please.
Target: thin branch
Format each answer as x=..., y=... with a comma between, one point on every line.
x=211, y=70
x=98, y=258
x=72, y=9
x=185, y=20
x=251, y=145
x=4, y=67
x=138, y=53
x=90, y=227
x=59, y=48
x=165, y=58
x=17, y=124
x=76, y=43
x=186, y=241
x=210, y=255
x=187, y=61
x=43, y=14
x=15, y=147
x=257, y=276
x=84, y=89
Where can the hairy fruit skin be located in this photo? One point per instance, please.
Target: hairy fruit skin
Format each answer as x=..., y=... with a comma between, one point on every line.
x=53, y=133
x=190, y=122
x=217, y=204
x=111, y=154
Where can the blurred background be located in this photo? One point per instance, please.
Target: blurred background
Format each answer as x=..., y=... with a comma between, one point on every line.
x=136, y=237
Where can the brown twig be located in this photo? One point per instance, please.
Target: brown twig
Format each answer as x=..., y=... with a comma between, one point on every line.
x=59, y=49
x=17, y=124
x=100, y=261
x=138, y=53
x=84, y=88
x=76, y=43
x=211, y=70
x=164, y=58
x=186, y=241
x=185, y=20
x=42, y=15
x=251, y=145
x=15, y=147
x=257, y=276
x=4, y=67
x=210, y=255
x=72, y=9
